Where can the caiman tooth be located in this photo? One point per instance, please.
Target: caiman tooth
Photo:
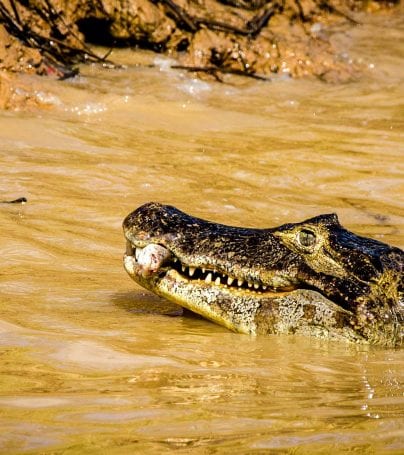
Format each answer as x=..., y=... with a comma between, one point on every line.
x=211, y=276
x=137, y=253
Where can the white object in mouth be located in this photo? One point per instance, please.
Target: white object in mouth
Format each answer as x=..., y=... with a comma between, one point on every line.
x=152, y=257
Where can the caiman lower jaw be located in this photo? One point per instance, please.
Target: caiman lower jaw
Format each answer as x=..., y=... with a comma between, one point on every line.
x=231, y=306
x=147, y=265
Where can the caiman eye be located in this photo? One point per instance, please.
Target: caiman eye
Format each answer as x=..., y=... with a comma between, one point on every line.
x=306, y=238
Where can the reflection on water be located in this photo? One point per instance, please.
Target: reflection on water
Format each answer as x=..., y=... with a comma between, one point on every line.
x=91, y=362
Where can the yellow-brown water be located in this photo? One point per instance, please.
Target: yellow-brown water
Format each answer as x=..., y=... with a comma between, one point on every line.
x=91, y=363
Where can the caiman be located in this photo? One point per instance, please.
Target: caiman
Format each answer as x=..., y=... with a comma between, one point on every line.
x=312, y=278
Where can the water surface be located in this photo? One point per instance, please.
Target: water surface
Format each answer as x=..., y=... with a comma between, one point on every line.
x=91, y=363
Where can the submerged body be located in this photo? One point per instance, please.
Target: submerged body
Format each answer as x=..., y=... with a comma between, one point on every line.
x=313, y=278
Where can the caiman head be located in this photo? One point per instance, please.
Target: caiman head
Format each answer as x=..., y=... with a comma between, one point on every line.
x=313, y=277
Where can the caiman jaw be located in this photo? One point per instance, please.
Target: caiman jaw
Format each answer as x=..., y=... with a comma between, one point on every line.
x=226, y=300
x=159, y=261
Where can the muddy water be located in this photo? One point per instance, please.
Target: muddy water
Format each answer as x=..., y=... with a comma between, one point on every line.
x=91, y=363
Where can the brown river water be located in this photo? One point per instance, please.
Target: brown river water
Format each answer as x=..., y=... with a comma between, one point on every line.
x=92, y=363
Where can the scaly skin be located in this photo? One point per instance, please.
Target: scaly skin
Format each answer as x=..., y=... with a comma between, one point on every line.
x=313, y=278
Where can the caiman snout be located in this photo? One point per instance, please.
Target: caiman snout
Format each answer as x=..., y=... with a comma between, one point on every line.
x=212, y=252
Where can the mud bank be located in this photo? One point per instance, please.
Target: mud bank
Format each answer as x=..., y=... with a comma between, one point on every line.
x=255, y=38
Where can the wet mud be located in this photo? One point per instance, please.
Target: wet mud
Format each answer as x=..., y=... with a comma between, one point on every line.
x=255, y=38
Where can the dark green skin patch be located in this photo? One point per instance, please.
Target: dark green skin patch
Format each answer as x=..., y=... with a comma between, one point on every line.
x=313, y=278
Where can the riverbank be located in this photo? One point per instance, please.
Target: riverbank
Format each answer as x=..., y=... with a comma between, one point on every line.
x=256, y=39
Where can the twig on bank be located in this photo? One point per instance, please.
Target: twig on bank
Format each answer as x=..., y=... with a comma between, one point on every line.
x=213, y=70
x=327, y=6
x=193, y=24
x=59, y=53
